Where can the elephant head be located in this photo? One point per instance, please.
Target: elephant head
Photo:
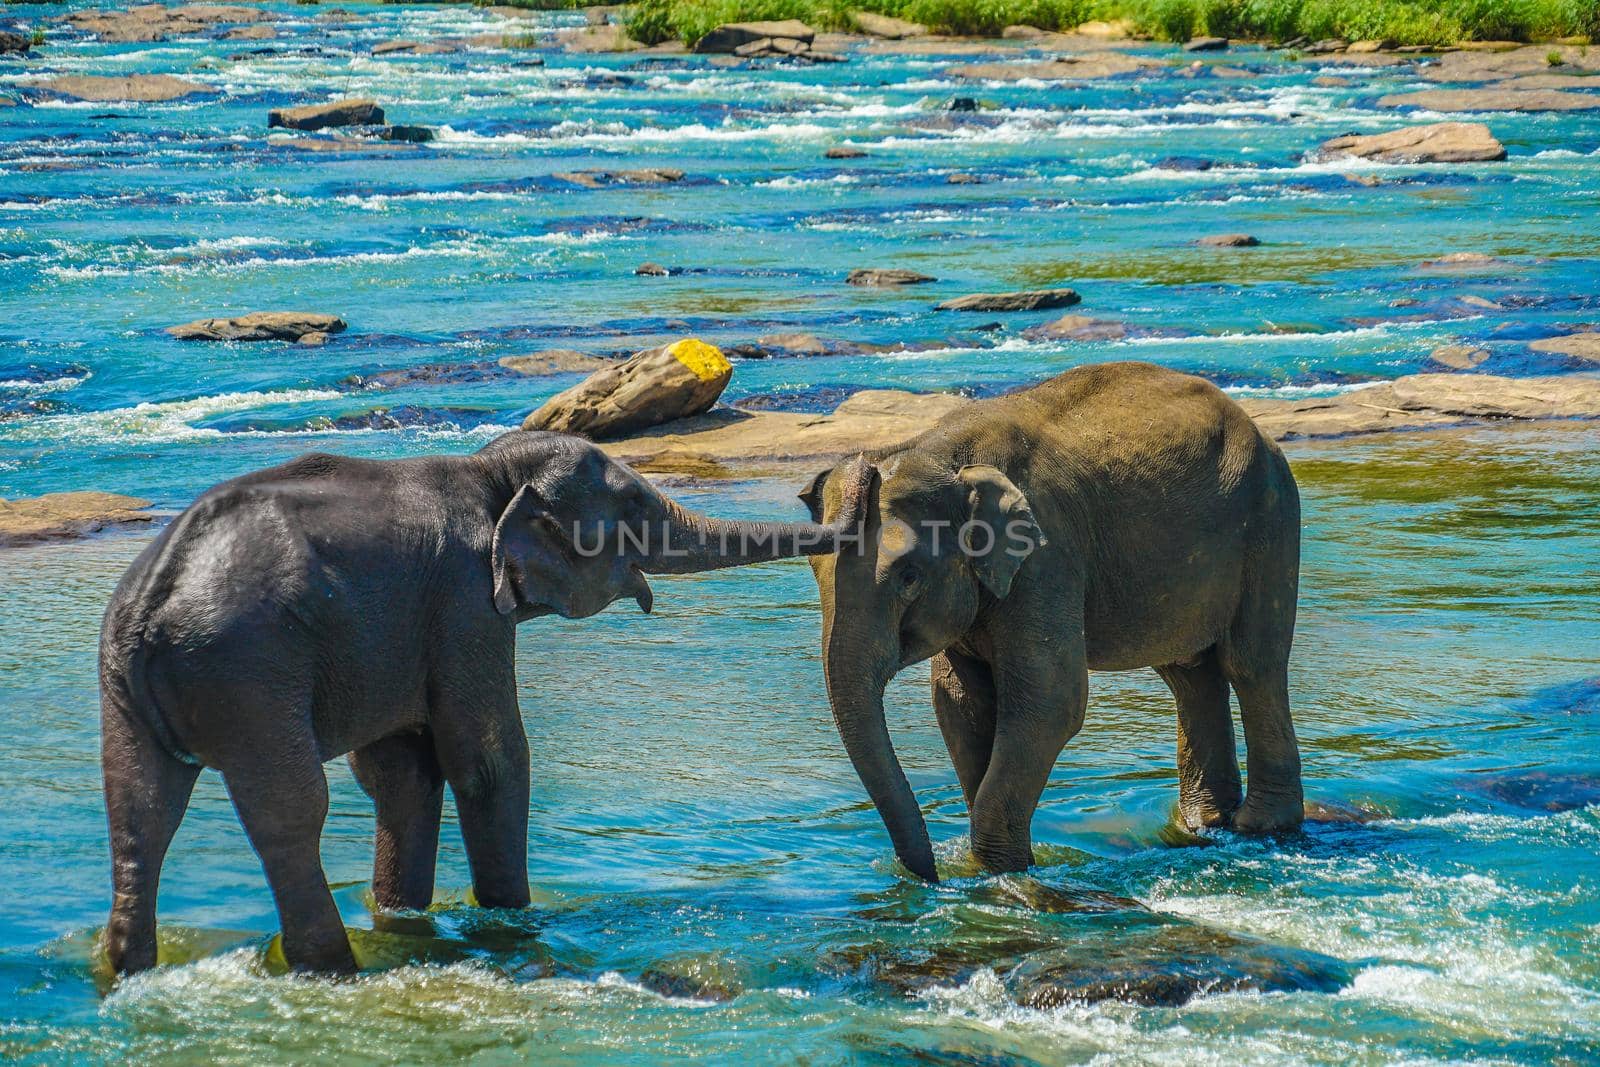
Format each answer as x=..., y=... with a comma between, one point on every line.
x=581, y=530
x=936, y=544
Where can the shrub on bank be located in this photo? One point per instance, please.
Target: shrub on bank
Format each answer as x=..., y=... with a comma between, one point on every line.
x=1405, y=21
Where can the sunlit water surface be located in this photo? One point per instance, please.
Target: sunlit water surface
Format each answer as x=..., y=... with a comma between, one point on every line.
x=710, y=882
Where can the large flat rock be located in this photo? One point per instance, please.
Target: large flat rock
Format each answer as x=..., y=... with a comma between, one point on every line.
x=1493, y=99
x=1464, y=66
x=261, y=326
x=57, y=516
x=876, y=419
x=143, y=88
x=1439, y=142
x=1063, y=68
x=351, y=112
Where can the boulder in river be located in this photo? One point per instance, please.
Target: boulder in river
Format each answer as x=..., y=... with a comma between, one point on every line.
x=891, y=276
x=1493, y=99
x=1458, y=357
x=1439, y=142
x=788, y=34
x=892, y=29
x=56, y=516
x=1227, y=240
x=658, y=385
x=1077, y=328
x=844, y=151
x=1584, y=346
x=1085, y=67
x=1205, y=44
x=350, y=112
x=553, y=361
x=304, y=326
x=651, y=270
x=143, y=88
x=1025, y=300
x=14, y=43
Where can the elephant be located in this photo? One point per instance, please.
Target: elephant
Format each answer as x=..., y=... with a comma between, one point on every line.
x=336, y=605
x=1114, y=517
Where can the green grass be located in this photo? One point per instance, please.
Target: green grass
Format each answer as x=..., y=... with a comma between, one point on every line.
x=1436, y=22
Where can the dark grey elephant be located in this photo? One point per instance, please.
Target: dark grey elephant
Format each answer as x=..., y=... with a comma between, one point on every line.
x=335, y=605
x=1115, y=517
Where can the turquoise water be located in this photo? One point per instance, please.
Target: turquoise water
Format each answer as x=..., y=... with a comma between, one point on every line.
x=692, y=813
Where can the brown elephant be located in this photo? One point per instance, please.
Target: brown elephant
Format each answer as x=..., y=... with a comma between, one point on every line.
x=1114, y=517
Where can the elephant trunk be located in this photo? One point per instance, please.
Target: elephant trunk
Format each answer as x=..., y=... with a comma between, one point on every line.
x=855, y=690
x=690, y=542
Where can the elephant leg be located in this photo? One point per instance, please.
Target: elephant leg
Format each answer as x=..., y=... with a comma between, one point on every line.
x=1039, y=707
x=1274, y=799
x=402, y=776
x=963, y=700
x=1208, y=764
x=147, y=792
x=281, y=794
x=483, y=750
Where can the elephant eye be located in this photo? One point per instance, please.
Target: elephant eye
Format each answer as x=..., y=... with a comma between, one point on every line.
x=910, y=578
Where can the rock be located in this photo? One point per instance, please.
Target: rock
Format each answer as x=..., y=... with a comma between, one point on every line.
x=1111, y=28
x=1541, y=790
x=1026, y=300
x=960, y=178
x=157, y=22
x=793, y=344
x=416, y=48
x=651, y=270
x=675, y=381
x=1461, y=260
x=1426, y=401
x=1549, y=81
x=1458, y=357
x=1084, y=67
x=1184, y=163
x=1385, y=45
x=1326, y=46
x=553, y=361
x=1329, y=81
x=259, y=326
x=1230, y=72
x=889, y=277
x=606, y=38
x=1466, y=66
x=844, y=152
x=599, y=179
x=1329, y=813
x=1077, y=328
x=1585, y=346
x=1485, y=303
x=959, y=103
x=14, y=43
x=1228, y=240
x=1439, y=142
x=1170, y=965
x=258, y=32
x=729, y=37
x=56, y=516
x=406, y=134
x=892, y=29
x=351, y=112
x=1493, y=100
x=144, y=88
x=1205, y=44
x=695, y=977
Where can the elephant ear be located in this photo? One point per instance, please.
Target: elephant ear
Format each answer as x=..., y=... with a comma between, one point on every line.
x=812, y=493
x=536, y=562
x=994, y=502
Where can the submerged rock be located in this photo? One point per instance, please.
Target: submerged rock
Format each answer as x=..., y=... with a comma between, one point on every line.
x=1228, y=240
x=1077, y=328
x=351, y=112
x=1025, y=300
x=1493, y=100
x=553, y=361
x=893, y=29
x=599, y=179
x=1462, y=261
x=658, y=385
x=1585, y=346
x=892, y=276
x=1458, y=357
x=695, y=977
x=262, y=326
x=58, y=516
x=143, y=88
x=1552, y=791
x=1440, y=142
x=1084, y=67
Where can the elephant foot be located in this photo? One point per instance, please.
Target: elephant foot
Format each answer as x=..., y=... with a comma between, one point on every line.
x=1205, y=812
x=1258, y=816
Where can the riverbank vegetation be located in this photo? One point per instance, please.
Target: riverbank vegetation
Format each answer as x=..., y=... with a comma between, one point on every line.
x=1429, y=22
